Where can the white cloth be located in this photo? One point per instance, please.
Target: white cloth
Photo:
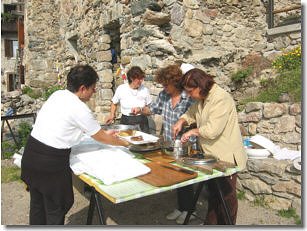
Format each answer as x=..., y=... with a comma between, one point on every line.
x=278, y=153
x=129, y=98
x=185, y=67
x=62, y=120
x=110, y=164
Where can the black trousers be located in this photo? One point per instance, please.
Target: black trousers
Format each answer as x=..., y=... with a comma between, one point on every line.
x=185, y=198
x=136, y=120
x=216, y=214
x=47, y=174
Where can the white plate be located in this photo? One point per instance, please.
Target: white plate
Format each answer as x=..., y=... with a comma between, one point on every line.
x=147, y=138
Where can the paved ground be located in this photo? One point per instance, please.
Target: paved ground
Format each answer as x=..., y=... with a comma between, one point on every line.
x=150, y=210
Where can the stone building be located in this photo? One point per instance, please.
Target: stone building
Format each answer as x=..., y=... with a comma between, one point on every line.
x=215, y=36
x=12, y=38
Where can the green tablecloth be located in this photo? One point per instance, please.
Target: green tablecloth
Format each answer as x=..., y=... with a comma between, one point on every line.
x=135, y=188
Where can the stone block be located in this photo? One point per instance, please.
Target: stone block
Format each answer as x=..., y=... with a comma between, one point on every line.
x=256, y=186
x=271, y=110
x=288, y=186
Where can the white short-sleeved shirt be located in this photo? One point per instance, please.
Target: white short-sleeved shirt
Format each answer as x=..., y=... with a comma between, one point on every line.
x=129, y=98
x=63, y=119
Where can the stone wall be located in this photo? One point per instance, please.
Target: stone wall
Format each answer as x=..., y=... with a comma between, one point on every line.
x=279, y=122
x=274, y=183
x=216, y=36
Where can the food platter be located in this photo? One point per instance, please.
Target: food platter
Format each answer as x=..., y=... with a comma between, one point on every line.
x=196, y=161
x=144, y=138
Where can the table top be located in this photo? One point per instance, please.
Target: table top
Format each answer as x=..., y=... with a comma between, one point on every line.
x=135, y=188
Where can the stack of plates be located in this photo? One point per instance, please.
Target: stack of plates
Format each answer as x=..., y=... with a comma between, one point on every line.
x=254, y=153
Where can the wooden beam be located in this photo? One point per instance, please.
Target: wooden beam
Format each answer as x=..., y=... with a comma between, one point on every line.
x=287, y=9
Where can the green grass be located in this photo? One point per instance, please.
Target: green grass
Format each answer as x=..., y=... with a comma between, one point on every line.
x=10, y=174
x=260, y=201
x=287, y=82
x=241, y=195
x=290, y=213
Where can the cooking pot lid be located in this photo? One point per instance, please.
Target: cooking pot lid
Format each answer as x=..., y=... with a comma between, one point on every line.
x=197, y=161
x=144, y=147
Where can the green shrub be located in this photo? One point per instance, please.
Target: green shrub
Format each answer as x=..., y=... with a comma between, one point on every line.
x=9, y=174
x=49, y=91
x=240, y=75
x=30, y=92
x=241, y=195
x=289, y=60
x=290, y=213
x=8, y=17
x=8, y=148
x=24, y=131
x=287, y=82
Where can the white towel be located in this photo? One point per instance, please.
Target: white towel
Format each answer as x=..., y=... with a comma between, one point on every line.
x=108, y=165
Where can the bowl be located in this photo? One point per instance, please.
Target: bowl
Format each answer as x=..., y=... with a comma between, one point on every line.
x=255, y=153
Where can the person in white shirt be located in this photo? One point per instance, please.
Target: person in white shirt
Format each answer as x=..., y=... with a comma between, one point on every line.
x=130, y=95
x=60, y=124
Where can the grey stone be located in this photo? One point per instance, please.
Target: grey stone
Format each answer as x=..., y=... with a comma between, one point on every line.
x=267, y=178
x=271, y=110
x=295, y=109
x=156, y=18
x=288, y=186
x=256, y=186
x=177, y=14
x=253, y=106
x=277, y=203
x=268, y=165
x=286, y=123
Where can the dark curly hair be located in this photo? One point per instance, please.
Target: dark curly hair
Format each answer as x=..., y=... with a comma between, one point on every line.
x=171, y=74
x=135, y=72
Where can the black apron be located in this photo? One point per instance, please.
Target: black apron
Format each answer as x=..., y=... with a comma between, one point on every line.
x=136, y=120
x=47, y=169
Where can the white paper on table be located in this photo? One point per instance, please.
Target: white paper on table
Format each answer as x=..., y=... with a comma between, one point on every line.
x=108, y=165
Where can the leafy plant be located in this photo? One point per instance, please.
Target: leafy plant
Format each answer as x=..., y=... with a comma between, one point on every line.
x=287, y=82
x=9, y=174
x=289, y=60
x=49, y=91
x=30, y=92
x=8, y=149
x=24, y=131
x=241, y=195
x=240, y=75
x=260, y=201
x=8, y=17
x=290, y=213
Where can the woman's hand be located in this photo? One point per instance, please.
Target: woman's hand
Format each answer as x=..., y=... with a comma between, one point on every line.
x=177, y=127
x=186, y=136
x=112, y=132
x=109, y=119
x=136, y=110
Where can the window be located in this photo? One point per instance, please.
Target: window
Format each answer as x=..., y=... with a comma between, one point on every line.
x=10, y=48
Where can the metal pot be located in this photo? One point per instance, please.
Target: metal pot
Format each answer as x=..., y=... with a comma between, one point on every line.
x=121, y=127
x=175, y=150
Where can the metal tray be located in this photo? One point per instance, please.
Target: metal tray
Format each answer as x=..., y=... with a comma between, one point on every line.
x=144, y=147
x=195, y=161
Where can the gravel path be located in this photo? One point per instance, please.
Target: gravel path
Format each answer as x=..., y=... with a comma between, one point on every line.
x=150, y=210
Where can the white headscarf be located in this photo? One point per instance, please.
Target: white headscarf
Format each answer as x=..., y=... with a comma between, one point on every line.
x=185, y=67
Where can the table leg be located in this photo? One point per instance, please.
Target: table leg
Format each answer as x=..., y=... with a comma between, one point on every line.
x=95, y=201
x=221, y=196
x=195, y=199
x=91, y=208
x=7, y=122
